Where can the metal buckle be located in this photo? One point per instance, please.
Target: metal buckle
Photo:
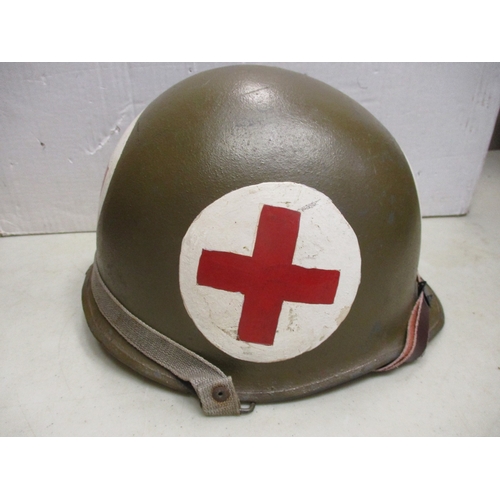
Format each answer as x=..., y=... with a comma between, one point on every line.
x=247, y=409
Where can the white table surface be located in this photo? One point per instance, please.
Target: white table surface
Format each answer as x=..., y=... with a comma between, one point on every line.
x=55, y=380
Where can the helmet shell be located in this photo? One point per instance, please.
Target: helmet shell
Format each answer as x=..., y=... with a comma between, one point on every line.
x=237, y=126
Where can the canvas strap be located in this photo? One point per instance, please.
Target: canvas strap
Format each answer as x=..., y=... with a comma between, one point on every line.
x=215, y=390
x=417, y=335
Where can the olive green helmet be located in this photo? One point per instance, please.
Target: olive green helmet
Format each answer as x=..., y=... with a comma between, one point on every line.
x=258, y=241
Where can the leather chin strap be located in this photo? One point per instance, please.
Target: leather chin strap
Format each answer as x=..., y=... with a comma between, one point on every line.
x=417, y=335
x=215, y=390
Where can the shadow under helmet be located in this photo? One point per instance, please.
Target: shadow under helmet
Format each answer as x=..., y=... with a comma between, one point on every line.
x=258, y=241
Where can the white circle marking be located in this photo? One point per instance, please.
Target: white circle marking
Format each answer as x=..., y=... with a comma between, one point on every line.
x=325, y=241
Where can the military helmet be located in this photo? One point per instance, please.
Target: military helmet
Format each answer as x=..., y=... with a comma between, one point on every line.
x=258, y=241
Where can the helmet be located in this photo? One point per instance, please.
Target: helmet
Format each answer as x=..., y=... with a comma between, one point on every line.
x=258, y=241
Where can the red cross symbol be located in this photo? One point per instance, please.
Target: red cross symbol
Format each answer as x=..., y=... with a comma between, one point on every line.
x=268, y=277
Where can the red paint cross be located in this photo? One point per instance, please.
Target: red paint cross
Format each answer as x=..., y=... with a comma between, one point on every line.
x=268, y=277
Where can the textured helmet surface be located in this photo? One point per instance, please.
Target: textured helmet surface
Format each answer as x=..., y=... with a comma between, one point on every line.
x=272, y=154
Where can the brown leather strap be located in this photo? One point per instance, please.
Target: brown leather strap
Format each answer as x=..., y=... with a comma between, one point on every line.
x=417, y=334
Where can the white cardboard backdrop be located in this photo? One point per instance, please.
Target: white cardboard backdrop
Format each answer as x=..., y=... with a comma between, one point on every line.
x=59, y=123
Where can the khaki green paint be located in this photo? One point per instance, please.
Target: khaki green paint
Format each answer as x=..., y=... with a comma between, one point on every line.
x=236, y=126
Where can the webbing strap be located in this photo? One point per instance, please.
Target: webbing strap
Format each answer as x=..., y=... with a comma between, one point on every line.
x=417, y=334
x=215, y=390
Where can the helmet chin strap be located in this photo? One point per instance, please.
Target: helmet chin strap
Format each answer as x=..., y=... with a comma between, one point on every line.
x=215, y=390
x=417, y=335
